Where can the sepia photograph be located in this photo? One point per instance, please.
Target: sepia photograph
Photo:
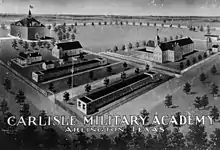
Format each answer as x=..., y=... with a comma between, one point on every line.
x=109, y=74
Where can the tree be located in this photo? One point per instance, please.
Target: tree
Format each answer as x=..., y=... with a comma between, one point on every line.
x=20, y=41
x=147, y=67
x=123, y=76
x=87, y=88
x=162, y=24
x=109, y=69
x=20, y=97
x=137, y=70
x=74, y=30
x=197, y=136
x=199, y=57
x=50, y=138
x=7, y=84
x=188, y=63
x=148, y=24
x=201, y=28
x=187, y=88
x=44, y=117
x=130, y=46
x=106, y=82
x=25, y=111
x=202, y=77
x=81, y=142
x=171, y=38
x=177, y=116
x=123, y=47
x=72, y=36
x=181, y=36
x=194, y=60
x=33, y=45
x=214, y=113
x=213, y=69
x=197, y=103
x=39, y=43
x=165, y=39
x=84, y=24
x=75, y=24
x=208, y=29
x=105, y=23
x=125, y=65
x=177, y=140
x=144, y=43
x=181, y=65
x=205, y=55
x=204, y=101
x=215, y=139
x=155, y=24
x=163, y=138
x=168, y=101
x=141, y=23
x=14, y=44
x=138, y=141
x=179, y=26
x=4, y=106
x=115, y=49
x=176, y=37
x=214, y=89
x=26, y=45
x=66, y=97
x=137, y=44
x=121, y=23
x=67, y=35
x=64, y=36
x=37, y=36
x=51, y=87
x=171, y=25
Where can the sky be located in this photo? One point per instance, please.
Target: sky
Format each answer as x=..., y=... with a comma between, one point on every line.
x=115, y=7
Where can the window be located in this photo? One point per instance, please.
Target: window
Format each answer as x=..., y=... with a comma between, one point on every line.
x=79, y=104
x=84, y=106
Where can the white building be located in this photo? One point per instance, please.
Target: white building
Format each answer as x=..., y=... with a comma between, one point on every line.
x=48, y=65
x=26, y=58
x=215, y=48
x=70, y=48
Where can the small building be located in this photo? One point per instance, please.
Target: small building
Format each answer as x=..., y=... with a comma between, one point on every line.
x=90, y=103
x=214, y=37
x=27, y=58
x=215, y=48
x=67, y=69
x=48, y=65
x=69, y=48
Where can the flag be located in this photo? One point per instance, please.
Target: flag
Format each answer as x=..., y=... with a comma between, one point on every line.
x=31, y=7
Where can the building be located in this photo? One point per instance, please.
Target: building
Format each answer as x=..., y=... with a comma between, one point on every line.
x=214, y=37
x=27, y=58
x=90, y=103
x=65, y=70
x=29, y=28
x=69, y=48
x=48, y=65
x=162, y=52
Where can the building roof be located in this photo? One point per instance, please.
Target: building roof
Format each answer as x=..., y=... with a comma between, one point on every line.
x=29, y=54
x=144, y=50
x=215, y=46
x=211, y=35
x=171, y=44
x=85, y=99
x=116, y=86
x=49, y=62
x=69, y=45
x=69, y=66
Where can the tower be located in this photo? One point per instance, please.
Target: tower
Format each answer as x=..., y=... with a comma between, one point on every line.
x=209, y=42
x=29, y=13
x=157, y=39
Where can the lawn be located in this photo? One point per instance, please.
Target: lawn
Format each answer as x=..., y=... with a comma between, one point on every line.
x=153, y=101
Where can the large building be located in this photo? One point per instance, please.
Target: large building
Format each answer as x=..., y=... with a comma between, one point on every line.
x=65, y=70
x=27, y=58
x=29, y=28
x=70, y=48
x=162, y=52
x=90, y=103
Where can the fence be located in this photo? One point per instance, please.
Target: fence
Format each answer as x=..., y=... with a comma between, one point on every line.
x=24, y=79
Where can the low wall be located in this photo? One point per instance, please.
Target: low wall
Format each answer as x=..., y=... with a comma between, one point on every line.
x=165, y=68
x=68, y=109
x=24, y=79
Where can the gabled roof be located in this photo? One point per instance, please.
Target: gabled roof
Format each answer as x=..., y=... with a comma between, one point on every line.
x=69, y=45
x=171, y=44
x=30, y=54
